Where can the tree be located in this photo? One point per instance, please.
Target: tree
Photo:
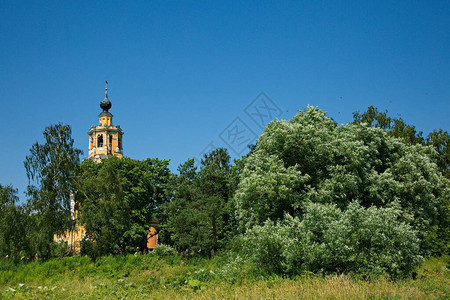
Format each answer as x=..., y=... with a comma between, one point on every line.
x=8, y=196
x=183, y=223
x=51, y=167
x=216, y=190
x=199, y=217
x=118, y=199
x=310, y=159
x=395, y=127
x=13, y=224
x=439, y=240
x=440, y=140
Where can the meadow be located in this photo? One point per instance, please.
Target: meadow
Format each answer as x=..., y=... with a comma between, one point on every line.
x=149, y=276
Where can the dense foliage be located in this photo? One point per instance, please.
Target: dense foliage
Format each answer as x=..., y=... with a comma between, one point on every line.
x=311, y=159
x=397, y=127
x=199, y=215
x=439, y=240
x=118, y=199
x=14, y=223
x=368, y=241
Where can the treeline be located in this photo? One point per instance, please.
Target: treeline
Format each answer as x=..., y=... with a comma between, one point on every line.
x=371, y=196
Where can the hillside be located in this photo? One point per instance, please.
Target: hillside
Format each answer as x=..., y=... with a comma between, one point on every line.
x=174, y=277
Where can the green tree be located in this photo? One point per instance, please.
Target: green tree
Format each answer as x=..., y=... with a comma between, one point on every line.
x=440, y=140
x=51, y=167
x=118, y=199
x=215, y=192
x=183, y=223
x=396, y=127
x=439, y=239
x=13, y=224
x=312, y=159
x=199, y=217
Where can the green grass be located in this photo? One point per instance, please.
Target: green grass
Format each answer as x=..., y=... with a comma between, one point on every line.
x=152, y=277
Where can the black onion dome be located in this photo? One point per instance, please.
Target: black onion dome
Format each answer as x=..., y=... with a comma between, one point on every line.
x=105, y=104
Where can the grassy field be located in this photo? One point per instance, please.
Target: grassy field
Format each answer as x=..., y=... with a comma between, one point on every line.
x=152, y=277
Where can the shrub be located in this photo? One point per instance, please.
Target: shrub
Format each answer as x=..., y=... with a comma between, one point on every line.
x=369, y=241
x=60, y=249
x=266, y=245
x=89, y=248
x=163, y=250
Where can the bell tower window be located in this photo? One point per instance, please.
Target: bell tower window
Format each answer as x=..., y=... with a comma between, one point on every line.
x=100, y=141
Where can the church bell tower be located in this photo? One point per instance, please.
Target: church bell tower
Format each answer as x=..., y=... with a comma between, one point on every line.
x=105, y=140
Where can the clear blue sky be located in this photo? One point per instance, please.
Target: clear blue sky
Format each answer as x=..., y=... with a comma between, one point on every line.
x=181, y=71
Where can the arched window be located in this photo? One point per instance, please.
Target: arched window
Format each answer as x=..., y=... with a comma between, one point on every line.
x=100, y=140
x=120, y=142
x=110, y=141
